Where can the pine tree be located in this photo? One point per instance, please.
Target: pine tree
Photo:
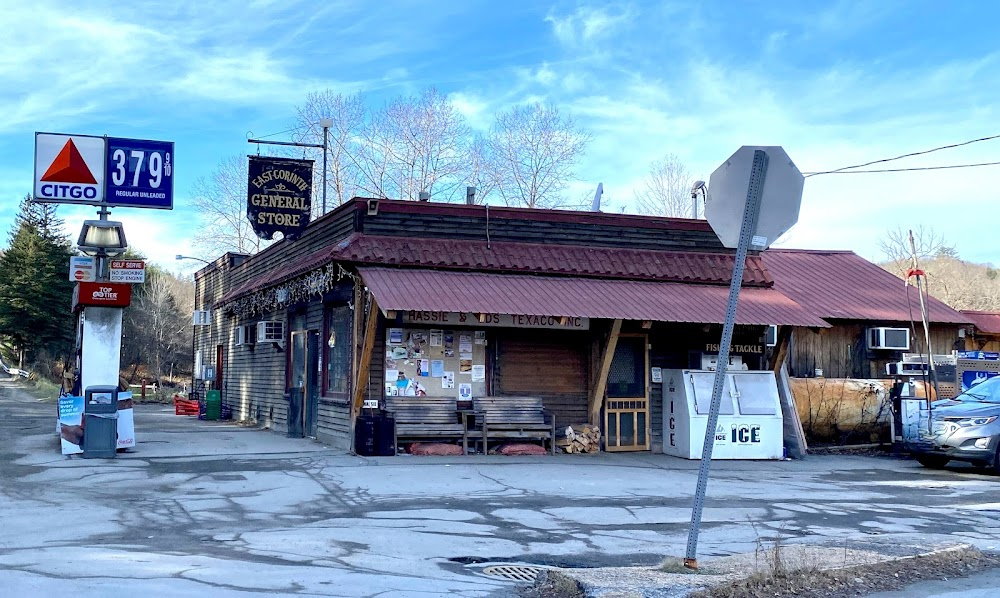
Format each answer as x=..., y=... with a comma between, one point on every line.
x=35, y=291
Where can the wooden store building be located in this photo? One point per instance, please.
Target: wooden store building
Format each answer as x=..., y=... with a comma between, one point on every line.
x=393, y=301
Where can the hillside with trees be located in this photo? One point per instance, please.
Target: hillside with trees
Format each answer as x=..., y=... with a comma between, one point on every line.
x=959, y=283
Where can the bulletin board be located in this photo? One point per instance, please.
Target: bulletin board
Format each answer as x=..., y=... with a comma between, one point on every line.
x=435, y=362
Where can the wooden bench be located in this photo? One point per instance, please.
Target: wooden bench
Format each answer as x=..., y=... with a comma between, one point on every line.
x=422, y=418
x=513, y=417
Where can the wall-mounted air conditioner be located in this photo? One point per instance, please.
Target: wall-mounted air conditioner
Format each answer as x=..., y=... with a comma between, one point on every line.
x=202, y=317
x=270, y=331
x=246, y=334
x=893, y=339
x=771, y=336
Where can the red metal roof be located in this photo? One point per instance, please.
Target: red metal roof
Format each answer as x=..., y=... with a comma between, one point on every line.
x=437, y=290
x=985, y=321
x=604, y=262
x=843, y=285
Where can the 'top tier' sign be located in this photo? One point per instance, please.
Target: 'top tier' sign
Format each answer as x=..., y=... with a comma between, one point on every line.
x=779, y=201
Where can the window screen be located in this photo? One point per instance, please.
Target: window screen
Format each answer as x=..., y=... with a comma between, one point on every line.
x=627, y=376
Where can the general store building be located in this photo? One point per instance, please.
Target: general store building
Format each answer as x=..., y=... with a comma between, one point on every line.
x=383, y=297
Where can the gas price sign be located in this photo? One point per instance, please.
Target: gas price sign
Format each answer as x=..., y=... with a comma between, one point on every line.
x=139, y=173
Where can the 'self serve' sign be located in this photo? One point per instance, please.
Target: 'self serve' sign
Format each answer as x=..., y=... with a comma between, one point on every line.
x=279, y=196
x=130, y=271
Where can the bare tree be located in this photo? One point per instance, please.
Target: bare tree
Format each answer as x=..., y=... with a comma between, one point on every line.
x=895, y=247
x=480, y=169
x=534, y=150
x=414, y=145
x=666, y=189
x=221, y=202
x=348, y=114
x=157, y=331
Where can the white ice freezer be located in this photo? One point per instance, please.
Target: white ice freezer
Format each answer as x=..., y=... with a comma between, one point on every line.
x=749, y=425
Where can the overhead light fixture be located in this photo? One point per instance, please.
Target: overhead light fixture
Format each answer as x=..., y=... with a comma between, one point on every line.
x=102, y=237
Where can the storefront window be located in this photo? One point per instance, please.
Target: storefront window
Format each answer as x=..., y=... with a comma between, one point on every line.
x=338, y=350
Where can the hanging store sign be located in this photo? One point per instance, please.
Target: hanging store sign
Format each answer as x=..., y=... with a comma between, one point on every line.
x=279, y=196
x=494, y=320
x=102, y=294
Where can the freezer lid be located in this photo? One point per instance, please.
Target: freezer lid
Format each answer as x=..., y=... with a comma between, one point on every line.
x=756, y=393
x=701, y=385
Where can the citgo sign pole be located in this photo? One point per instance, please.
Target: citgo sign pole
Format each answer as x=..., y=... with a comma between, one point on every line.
x=104, y=172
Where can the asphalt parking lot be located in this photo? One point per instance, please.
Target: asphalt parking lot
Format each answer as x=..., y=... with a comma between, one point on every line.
x=208, y=507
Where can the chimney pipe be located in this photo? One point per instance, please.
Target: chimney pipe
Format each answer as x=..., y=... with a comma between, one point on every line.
x=596, y=207
x=425, y=196
x=470, y=196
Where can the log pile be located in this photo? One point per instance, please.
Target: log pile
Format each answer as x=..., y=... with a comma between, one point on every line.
x=579, y=438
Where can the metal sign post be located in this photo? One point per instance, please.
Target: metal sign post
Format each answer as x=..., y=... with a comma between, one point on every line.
x=748, y=230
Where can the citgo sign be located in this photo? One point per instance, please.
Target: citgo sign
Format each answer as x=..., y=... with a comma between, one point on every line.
x=69, y=168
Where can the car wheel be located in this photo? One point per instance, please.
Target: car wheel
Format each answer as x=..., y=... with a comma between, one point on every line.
x=932, y=461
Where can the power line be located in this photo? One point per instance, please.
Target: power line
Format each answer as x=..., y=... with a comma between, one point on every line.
x=910, y=155
x=906, y=169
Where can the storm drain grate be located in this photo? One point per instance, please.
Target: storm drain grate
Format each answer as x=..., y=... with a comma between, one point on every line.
x=513, y=572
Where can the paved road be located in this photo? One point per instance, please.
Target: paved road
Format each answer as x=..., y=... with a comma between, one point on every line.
x=206, y=508
x=983, y=585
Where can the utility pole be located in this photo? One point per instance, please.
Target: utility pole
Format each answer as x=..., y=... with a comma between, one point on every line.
x=326, y=123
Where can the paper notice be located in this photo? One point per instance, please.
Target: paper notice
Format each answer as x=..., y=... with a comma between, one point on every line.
x=479, y=372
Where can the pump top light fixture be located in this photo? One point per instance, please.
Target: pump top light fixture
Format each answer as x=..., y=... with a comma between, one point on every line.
x=102, y=237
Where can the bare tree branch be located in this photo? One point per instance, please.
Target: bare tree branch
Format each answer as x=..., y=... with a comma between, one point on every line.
x=666, y=189
x=221, y=202
x=533, y=150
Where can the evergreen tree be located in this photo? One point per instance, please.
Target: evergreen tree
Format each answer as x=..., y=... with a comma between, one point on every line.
x=35, y=291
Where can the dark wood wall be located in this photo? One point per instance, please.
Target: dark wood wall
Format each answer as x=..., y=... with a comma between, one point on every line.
x=842, y=351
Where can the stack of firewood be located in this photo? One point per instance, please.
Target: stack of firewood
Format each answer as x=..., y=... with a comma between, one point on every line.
x=579, y=438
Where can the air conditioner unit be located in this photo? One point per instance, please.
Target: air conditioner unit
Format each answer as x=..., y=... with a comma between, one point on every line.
x=270, y=331
x=202, y=317
x=246, y=334
x=893, y=339
x=771, y=336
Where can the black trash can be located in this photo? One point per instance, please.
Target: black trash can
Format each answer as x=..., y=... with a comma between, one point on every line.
x=364, y=436
x=294, y=397
x=374, y=436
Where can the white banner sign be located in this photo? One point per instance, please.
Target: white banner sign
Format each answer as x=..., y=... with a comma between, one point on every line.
x=443, y=318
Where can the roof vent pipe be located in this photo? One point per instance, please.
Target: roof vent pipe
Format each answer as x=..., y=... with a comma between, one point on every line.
x=425, y=196
x=596, y=207
x=470, y=196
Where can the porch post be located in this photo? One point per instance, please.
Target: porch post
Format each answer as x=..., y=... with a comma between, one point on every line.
x=601, y=382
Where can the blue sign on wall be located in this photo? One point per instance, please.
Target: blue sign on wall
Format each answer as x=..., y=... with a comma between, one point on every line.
x=140, y=173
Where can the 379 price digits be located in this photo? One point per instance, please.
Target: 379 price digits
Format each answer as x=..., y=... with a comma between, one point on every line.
x=157, y=167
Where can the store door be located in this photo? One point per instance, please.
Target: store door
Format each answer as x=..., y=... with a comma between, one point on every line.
x=304, y=367
x=626, y=406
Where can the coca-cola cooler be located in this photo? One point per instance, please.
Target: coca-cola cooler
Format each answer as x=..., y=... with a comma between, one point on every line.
x=749, y=426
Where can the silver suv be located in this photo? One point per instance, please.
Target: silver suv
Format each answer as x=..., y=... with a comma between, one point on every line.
x=966, y=428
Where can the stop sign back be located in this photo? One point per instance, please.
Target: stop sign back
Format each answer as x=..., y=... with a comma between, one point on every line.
x=779, y=201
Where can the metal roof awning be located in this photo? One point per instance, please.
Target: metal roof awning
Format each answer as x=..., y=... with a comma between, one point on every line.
x=480, y=292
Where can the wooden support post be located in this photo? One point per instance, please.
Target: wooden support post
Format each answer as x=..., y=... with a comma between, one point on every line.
x=361, y=383
x=601, y=382
x=784, y=338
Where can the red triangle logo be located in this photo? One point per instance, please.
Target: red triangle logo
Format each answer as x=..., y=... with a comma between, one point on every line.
x=69, y=167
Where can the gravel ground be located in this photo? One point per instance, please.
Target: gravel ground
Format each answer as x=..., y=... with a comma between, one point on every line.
x=858, y=570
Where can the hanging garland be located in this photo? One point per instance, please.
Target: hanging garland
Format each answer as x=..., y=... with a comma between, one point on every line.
x=298, y=289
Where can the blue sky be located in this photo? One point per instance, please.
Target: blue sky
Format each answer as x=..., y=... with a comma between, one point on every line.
x=835, y=83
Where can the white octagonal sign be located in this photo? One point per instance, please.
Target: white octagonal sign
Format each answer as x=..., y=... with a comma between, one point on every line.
x=69, y=168
x=779, y=202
